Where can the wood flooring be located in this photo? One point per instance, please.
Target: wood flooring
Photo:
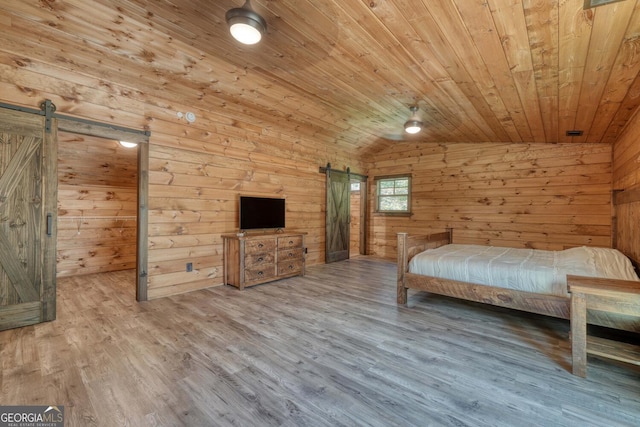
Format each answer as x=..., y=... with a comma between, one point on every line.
x=331, y=348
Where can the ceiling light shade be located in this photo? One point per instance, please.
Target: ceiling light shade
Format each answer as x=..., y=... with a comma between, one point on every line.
x=588, y=4
x=414, y=124
x=245, y=24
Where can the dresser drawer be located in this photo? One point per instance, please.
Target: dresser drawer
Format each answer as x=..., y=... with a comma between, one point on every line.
x=266, y=271
x=289, y=242
x=261, y=245
x=253, y=261
x=285, y=255
x=289, y=267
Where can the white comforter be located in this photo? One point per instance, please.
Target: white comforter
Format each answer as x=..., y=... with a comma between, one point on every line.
x=531, y=270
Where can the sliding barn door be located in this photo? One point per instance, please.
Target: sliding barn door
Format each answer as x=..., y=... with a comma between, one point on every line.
x=28, y=198
x=337, y=228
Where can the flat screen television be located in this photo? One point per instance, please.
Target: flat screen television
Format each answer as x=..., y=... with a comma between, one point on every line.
x=261, y=213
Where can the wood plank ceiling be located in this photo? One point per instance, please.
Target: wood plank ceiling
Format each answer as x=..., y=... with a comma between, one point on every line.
x=348, y=70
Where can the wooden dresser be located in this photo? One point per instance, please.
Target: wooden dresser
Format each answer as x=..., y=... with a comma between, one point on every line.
x=253, y=259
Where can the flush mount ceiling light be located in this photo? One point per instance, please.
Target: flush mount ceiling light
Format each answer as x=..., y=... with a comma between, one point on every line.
x=245, y=24
x=414, y=124
x=127, y=144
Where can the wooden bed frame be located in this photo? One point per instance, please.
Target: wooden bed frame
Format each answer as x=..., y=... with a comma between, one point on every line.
x=549, y=305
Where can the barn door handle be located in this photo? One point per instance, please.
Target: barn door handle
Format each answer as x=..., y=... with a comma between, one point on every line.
x=49, y=224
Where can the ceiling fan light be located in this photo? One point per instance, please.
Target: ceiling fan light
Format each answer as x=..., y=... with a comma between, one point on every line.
x=413, y=126
x=245, y=25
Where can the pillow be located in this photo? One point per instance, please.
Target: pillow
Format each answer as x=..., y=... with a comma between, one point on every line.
x=596, y=262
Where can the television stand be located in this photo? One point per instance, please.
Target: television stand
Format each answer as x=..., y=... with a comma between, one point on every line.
x=253, y=259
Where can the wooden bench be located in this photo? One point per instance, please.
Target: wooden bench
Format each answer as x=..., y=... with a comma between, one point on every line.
x=605, y=295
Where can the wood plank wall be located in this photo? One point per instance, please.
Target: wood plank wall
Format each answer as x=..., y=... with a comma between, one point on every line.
x=97, y=205
x=194, y=199
x=544, y=196
x=244, y=141
x=626, y=177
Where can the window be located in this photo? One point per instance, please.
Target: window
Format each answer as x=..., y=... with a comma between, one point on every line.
x=355, y=186
x=393, y=194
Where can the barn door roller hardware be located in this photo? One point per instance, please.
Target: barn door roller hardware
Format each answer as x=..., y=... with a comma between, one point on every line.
x=48, y=108
x=327, y=170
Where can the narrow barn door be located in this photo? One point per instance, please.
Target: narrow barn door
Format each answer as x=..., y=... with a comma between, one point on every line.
x=28, y=199
x=337, y=228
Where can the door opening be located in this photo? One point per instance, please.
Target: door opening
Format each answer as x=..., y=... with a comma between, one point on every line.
x=97, y=205
x=28, y=200
x=86, y=129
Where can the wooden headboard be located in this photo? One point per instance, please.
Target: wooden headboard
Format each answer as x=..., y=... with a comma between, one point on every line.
x=626, y=223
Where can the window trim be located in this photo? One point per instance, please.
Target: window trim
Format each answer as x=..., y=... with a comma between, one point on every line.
x=377, y=180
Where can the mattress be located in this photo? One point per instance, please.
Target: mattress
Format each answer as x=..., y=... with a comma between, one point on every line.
x=531, y=270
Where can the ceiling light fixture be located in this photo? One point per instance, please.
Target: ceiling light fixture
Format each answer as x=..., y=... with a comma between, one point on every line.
x=414, y=124
x=588, y=4
x=127, y=144
x=245, y=24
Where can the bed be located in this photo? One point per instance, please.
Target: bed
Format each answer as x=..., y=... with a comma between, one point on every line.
x=466, y=283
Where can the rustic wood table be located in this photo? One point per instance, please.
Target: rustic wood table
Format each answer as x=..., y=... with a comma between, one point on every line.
x=611, y=296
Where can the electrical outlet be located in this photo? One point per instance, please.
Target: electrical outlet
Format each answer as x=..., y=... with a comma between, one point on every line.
x=189, y=267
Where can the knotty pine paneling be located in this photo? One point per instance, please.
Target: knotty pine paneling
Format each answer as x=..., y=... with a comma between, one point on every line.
x=194, y=198
x=97, y=205
x=626, y=157
x=246, y=139
x=546, y=196
x=626, y=177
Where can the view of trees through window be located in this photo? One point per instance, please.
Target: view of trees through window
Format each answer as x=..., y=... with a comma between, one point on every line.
x=393, y=194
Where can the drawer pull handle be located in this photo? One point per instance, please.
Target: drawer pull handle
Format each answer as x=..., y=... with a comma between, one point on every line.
x=260, y=259
x=260, y=273
x=290, y=267
x=290, y=254
x=260, y=245
x=291, y=242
